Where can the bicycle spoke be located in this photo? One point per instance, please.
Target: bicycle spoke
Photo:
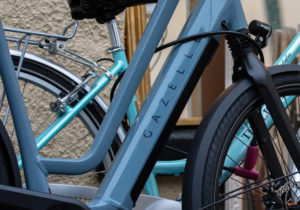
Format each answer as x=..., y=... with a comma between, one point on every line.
x=35, y=112
x=41, y=124
x=245, y=186
x=280, y=146
x=248, y=190
x=284, y=162
x=2, y=99
x=245, y=199
x=73, y=145
x=243, y=183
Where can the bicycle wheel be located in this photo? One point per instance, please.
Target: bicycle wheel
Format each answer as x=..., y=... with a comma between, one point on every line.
x=210, y=181
x=41, y=84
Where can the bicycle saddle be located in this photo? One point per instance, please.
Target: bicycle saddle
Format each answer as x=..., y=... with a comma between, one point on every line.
x=102, y=10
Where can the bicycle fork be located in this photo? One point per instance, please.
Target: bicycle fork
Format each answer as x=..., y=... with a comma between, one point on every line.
x=263, y=82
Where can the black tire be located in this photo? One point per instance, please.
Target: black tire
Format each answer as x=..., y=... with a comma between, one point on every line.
x=202, y=185
x=5, y=177
x=9, y=173
x=50, y=84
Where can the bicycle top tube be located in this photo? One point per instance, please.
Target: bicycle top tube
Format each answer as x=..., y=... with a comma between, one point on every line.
x=291, y=51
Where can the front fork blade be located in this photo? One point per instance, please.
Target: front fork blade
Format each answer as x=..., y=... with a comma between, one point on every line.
x=263, y=82
x=264, y=141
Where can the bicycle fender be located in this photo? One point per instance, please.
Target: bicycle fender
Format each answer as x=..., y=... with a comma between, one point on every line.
x=221, y=106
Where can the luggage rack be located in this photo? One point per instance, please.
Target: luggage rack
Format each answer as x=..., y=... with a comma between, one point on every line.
x=55, y=44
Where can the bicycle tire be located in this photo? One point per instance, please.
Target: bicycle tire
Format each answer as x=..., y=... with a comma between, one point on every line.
x=202, y=181
x=47, y=80
x=9, y=173
x=4, y=172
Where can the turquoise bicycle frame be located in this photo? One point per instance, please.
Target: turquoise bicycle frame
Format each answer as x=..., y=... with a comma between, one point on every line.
x=69, y=113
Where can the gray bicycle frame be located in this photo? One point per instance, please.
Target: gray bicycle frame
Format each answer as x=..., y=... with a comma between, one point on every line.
x=116, y=189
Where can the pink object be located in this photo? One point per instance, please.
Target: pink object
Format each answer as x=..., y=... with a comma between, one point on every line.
x=248, y=174
x=251, y=157
x=250, y=160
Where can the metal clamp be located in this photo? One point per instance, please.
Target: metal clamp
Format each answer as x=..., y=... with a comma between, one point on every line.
x=108, y=73
x=65, y=101
x=115, y=49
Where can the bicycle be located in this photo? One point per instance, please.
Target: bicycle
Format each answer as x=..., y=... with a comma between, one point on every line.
x=116, y=192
